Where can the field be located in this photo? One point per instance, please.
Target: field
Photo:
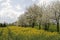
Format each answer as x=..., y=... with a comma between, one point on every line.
x=21, y=33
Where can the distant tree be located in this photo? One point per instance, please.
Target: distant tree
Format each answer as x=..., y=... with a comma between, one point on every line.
x=51, y=11
x=0, y=24
x=55, y=10
x=45, y=19
x=3, y=24
x=32, y=14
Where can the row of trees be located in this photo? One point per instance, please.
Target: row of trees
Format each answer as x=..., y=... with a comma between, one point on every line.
x=41, y=15
x=3, y=24
x=30, y=16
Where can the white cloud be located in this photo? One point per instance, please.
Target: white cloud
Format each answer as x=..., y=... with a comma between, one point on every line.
x=8, y=12
x=18, y=7
x=33, y=0
x=0, y=0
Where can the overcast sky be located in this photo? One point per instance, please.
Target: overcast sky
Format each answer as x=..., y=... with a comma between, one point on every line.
x=11, y=9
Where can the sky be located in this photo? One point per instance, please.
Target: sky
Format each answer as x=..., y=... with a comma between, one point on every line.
x=10, y=10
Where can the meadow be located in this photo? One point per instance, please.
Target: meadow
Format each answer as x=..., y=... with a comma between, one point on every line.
x=21, y=33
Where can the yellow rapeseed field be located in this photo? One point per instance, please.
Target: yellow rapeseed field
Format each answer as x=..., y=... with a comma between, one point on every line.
x=21, y=33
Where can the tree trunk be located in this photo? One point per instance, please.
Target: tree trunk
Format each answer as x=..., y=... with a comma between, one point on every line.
x=57, y=25
x=48, y=25
x=45, y=27
x=39, y=26
x=33, y=24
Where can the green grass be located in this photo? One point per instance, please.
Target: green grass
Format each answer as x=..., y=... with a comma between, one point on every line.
x=52, y=28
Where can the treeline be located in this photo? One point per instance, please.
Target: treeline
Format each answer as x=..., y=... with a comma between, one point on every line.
x=3, y=25
x=37, y=15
